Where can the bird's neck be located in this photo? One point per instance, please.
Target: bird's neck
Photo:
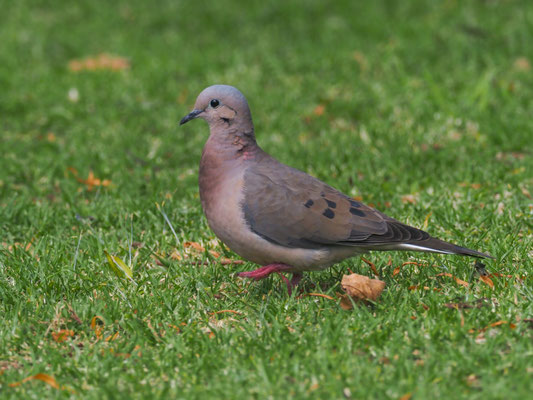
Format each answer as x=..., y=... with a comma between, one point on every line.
x=233, y=144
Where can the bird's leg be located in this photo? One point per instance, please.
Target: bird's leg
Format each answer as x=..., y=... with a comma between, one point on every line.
x=266, y=270
x=296, y=278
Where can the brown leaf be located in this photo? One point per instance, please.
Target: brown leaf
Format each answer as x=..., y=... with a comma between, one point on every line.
x=226, y=311
x=459, y=281
x=479, y=303
x=522, y=64
x=319, y=110
x=406, y=396
x=396, y=271
x=91, y=181
x=487, y=280
x=409, y=198
x=360, y=287
x=100, y=62
x=97, y=327
x=345, y=303
x=497, y=323
x=227, y=261
x=62, y=335
x=194, y=245
x=320, y=295
x=40, y=377
x=371, y=265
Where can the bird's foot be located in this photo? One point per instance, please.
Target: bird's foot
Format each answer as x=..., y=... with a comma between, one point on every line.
x=263, y=272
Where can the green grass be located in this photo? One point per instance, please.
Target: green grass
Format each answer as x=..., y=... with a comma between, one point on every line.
x=424, y=98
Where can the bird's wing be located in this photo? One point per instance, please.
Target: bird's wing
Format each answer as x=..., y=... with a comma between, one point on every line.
x=290, y=208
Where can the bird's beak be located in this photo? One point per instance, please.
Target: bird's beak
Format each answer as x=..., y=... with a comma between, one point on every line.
x=192, y=115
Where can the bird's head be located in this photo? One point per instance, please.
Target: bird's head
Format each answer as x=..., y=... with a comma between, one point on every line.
x=222, y=106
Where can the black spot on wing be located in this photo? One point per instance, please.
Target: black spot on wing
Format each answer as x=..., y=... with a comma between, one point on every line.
x=355, y=204
x=331, y=204
x=309, y=203
x=328, y=212
x=357, y=212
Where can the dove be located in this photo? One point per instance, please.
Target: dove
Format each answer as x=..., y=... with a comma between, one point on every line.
x=280, y=217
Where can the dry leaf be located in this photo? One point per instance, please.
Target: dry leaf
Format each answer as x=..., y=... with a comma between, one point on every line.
x=522, y=64
x=459, y=281
x=360, y=287
x=406, y=396
x=409, y=198
x=487, y=280
x=91, y=181
x=97, y=327
x=371, y=265
x=319, y=110
x=194, y=245
x=319, y=295
x=40, y=377
x=226, y=311
x=396, y=271
x=479, y=303
x=100, y=62
x=62, y=335
x=226, y=261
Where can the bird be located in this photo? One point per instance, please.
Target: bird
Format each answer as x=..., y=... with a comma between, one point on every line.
x=279, y=217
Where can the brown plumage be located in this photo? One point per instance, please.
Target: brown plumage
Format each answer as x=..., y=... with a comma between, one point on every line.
x=278, y=216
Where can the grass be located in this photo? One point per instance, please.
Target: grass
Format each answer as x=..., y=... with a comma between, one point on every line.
x=426, y=98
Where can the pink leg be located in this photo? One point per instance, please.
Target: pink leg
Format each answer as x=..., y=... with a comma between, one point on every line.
x=266, y=270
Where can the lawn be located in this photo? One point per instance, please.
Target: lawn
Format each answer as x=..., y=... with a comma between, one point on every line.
x=421, y=108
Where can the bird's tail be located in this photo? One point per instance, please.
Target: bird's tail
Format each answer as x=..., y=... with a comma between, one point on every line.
x=434, y=245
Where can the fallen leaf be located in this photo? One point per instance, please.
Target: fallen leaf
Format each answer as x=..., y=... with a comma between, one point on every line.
x=459, y=281
x=371, y=265
x=479, y=303
x=102, y=61
x=226, y=311
x=319, y=110
x=62, y=335
x=112, y=337
x=227, y=261
x=396, y=271
x=91, y=181
x=406, y=396
x=40, y=377
x=320, y=295
x=409, y=198
x=487, y=280
x=97, y=327
x=360, y=287
x=194, y=245
x=497, y=323
x=500, y=208
x=522, y=64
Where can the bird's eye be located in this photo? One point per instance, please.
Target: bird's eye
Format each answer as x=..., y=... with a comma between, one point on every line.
x=214, y=103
